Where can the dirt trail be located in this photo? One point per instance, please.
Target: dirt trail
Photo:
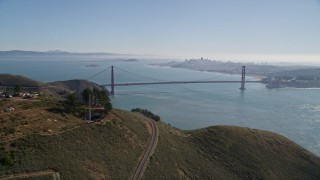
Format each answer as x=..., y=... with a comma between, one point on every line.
x=55, y=175
x=151, y=147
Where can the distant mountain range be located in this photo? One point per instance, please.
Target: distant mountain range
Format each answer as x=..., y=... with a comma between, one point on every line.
x=49, y=53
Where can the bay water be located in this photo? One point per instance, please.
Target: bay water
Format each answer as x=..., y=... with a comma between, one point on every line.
x=294, y=113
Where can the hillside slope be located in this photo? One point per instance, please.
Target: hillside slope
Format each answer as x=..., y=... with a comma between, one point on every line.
x=13, y=80
x=35, y=139
x=228, y=152
x=107, y=150
x=63, y=88
x=75, y=85
x=54, y=89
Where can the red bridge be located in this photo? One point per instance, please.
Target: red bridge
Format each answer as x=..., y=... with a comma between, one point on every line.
x=242, y=81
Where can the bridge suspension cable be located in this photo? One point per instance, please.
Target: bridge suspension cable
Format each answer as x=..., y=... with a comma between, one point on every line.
x=160, y=81
x=97, y=73
x=179, y=85
x=138, y=74
x=159, y=92
x=214, y=92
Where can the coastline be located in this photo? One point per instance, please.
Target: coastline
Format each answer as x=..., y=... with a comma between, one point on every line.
x=257, y=77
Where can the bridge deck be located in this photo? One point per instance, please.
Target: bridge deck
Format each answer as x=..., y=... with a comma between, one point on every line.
x=176, y=82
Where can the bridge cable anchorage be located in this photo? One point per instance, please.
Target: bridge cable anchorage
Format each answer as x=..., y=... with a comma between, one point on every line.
x=243, y=78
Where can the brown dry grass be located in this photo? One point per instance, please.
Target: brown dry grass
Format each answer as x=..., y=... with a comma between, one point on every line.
x=107, y=150
x=32, y=117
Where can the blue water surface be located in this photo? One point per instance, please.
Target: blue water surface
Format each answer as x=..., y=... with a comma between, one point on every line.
x=294, y=113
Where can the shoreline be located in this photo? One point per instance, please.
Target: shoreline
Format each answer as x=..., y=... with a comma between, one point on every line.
x=258, y=77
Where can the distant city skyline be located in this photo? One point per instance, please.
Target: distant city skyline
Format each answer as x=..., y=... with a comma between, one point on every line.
x=247, y=30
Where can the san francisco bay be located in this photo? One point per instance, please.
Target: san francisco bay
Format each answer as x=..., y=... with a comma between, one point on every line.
x=294, y=113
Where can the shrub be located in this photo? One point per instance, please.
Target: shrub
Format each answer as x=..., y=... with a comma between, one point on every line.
x=147, y=113
x=108, y=107
x=7, y=160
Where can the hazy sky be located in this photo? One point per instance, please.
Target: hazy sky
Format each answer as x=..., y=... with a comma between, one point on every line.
x=283, y=30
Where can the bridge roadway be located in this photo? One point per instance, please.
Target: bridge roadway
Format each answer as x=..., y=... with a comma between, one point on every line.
x=176, y=82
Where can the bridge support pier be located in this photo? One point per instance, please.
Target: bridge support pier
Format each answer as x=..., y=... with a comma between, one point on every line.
x=112, y=82
x=243, y=78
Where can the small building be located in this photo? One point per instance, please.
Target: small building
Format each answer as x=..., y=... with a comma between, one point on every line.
x=30, y=95
x=9, y=109
x=8, y=96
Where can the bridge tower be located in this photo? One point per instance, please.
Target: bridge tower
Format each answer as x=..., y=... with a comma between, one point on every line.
x=243, y=78
x=112, y=82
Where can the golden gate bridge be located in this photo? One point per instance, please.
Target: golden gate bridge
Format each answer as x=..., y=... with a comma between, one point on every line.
x=113, y=83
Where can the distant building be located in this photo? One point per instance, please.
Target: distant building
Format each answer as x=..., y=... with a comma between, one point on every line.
x=9, y=109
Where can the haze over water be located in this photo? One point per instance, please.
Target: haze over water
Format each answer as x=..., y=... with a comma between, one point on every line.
x=294, y=113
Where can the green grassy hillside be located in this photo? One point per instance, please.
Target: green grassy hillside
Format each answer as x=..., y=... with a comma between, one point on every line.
x=13, y=80
x=34, y=139
x=228, y=152
x=63, y=88
x=55, y=89
x=107, y=150
x=75, y=85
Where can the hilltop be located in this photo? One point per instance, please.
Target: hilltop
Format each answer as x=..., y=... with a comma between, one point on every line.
x=229, y=152
x=55, y=89
x=35, y=139
x=108, y=150
x=13, y=80
x=63, y=88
